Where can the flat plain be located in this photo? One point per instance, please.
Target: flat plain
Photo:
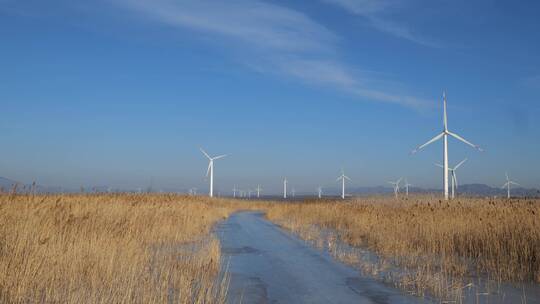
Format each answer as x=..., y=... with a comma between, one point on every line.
x=157, y=248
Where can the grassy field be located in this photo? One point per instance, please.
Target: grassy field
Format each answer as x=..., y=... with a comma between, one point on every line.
x=123, y=248
x=439, y=244
x=110, y=249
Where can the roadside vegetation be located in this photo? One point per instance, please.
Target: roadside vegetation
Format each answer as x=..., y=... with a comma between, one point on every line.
x=424, y=244
x=159, y=248
x=110, y=249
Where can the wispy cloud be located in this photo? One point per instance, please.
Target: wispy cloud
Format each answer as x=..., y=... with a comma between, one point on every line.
x=375, y=11
x=276, y=39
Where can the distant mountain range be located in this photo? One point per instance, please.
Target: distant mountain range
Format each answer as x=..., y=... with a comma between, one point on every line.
x=467, y=189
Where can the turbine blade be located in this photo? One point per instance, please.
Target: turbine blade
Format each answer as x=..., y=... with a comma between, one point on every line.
x=427, y=143
x=507, y=178
x=465, y=141
x=399, y=180
x=439, y=165
x=514, y=183
x=208, y=170
x=505, y=185
x=218, y=157
x=206, y=154
x=346, y=177
x=445, y=119
x=454, y=176
x=461, y=163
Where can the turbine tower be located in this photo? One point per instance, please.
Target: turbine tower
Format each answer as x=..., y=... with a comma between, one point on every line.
x=210, y=170
x=234, y=191
x=454, y=175
x=444, y=135
x=319, y=191
x=285, y=188
x=258, y=191
x=508, y=184
x=396, y=186
x=342, y=177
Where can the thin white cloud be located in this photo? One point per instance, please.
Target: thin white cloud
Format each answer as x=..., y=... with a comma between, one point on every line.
x=374, y=12
x=276, y=39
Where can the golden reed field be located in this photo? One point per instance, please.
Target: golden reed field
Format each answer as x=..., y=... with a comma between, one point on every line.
x=438, y=243
x=150, y=248
x=109, y=249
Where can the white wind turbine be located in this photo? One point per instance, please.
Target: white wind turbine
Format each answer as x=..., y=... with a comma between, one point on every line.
x=258, y=191
x=508, y=184
x=285, y=188
x=454, y=175
x=319, y=191
x=396, y=186
x=234, y=191
x=407, y=185
x=343, y=177
x=444, y=135
x=210, y=170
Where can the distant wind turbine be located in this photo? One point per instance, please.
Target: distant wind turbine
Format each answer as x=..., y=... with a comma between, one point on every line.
x=285, y=188
x=444, y=135
x=407, y=187
x=319, y=191
x=343, y=177
x=454, y=175
x=259, y=189
x=396, y=186
x=293, y=192
x=234, y=191
x=210, y=170
x=508, y=184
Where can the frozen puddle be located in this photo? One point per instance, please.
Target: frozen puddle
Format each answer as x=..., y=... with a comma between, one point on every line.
x=268, y=265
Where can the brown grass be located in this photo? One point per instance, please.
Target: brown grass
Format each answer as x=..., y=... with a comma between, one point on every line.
x=109, y=249
x=438, y=243
x=159, y=248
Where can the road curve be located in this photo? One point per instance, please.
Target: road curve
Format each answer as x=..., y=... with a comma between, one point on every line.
x=268, y=265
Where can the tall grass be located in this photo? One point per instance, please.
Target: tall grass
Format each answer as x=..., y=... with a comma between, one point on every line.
x=109, y=249
x=498, y=239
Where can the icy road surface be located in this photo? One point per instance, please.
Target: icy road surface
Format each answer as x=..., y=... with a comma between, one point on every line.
x=268, y=265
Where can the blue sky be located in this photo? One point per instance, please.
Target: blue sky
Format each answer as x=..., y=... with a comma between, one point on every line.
x=120, y=92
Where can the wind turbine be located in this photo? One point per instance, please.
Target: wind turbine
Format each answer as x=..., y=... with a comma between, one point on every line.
x=444, y=135
x=454, y=175
x=293, y=191
x=249, y=193
x=234, y=191
x=258, y=191
x=342, y=177
x=319, y=191
x=211, y=170
x=508, y=184
x=396, y=186
x=285, y=188
x=407, y=187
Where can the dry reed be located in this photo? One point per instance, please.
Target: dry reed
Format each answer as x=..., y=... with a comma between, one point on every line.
x=109, y=249
x=439, y=243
